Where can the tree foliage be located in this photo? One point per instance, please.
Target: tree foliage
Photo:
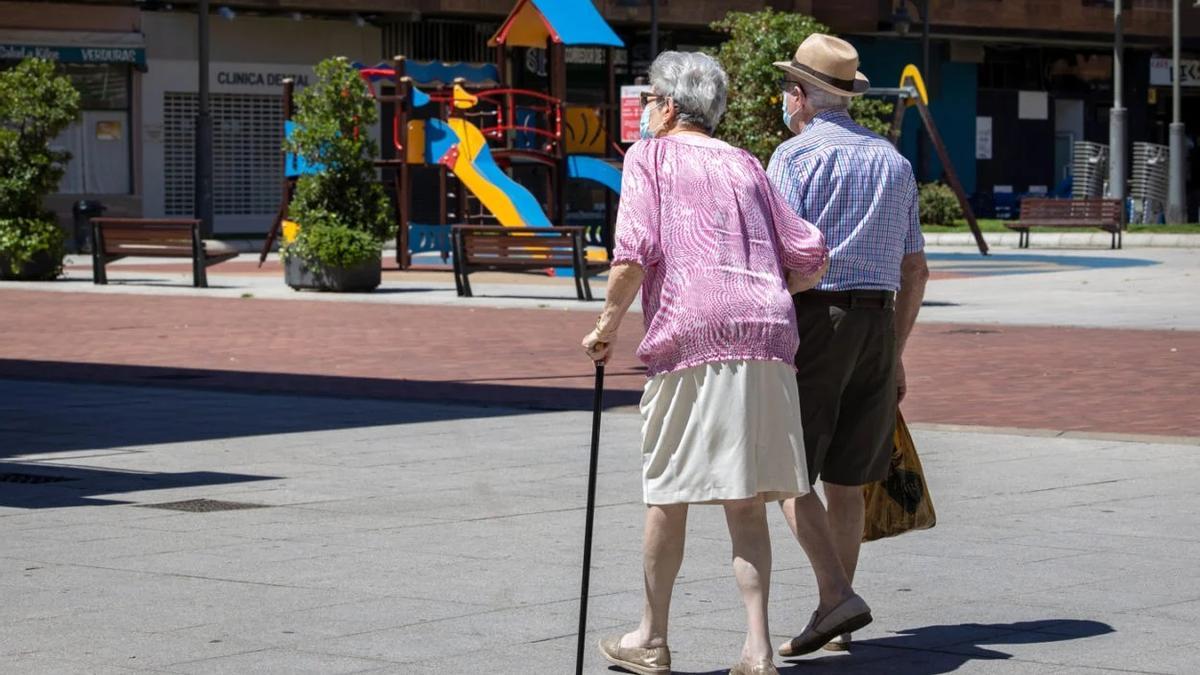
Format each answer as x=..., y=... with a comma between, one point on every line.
x=332, y=121
x=753, y=117
x=36, y=105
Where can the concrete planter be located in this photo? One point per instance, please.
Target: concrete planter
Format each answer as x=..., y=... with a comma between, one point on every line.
x=41, y=268
x=303, y=276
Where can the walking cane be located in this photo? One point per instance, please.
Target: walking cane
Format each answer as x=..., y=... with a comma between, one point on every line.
x=591, y=512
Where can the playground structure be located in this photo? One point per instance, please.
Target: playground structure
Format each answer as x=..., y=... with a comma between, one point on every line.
x=463, y=121
x=912, y=93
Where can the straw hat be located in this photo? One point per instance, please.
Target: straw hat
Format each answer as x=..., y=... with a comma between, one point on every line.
x=829, y=63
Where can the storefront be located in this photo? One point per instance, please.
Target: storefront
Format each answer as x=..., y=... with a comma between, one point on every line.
x=102, y=51
x=251, y=56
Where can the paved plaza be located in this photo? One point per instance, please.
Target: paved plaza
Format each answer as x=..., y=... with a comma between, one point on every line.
x=410, y=468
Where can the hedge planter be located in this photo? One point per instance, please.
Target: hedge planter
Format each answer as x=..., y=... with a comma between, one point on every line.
x=313, y=276
x=43, y=266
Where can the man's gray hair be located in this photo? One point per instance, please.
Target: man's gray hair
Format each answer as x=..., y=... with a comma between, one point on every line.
x=697, y=84
x=820, y=99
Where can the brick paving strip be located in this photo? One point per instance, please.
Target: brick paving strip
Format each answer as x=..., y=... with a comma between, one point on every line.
x=273, y=268
x=1064, y=379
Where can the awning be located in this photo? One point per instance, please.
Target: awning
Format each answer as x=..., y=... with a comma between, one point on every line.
x=74, y=46
x=568, y=22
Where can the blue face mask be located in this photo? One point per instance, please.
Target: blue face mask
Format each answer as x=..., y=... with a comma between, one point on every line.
x=644, y=124
x=787, y=116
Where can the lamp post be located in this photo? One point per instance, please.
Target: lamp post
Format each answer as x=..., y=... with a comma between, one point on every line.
x=1176, y=206
x=1116, y=118
x=204, y=130
x=902, y=21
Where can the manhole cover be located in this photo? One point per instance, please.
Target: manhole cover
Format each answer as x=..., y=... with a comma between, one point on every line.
x=203, y=506
x=31, y=478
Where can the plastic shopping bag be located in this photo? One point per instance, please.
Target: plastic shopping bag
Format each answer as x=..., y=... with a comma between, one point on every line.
x=900, y=502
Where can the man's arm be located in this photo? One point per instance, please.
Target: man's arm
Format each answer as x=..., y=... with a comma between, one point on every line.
x=914, y=273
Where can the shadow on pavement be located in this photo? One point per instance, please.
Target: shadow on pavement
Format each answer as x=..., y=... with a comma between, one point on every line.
x=930, y=650
x=172, y=405
x=475, y=393
x=42, y=486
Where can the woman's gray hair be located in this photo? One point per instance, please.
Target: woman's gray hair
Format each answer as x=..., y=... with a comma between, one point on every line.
x=819, y=99
x=697, y=84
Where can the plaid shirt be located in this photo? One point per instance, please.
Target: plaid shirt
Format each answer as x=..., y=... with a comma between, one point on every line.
x=861, y=194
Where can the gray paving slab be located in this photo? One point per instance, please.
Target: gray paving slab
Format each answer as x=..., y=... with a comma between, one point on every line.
x=440, y=540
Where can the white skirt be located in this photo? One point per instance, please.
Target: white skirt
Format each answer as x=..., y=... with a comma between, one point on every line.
x=722, y=431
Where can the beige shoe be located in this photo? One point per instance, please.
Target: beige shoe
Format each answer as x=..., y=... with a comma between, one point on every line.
x=840, y=643
x=847, y=617
x=764, y=667
x=653, y=661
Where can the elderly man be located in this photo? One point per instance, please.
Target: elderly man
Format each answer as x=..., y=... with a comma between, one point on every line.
x=861, y=194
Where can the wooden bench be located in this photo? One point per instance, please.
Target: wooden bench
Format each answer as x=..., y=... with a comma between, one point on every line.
x=1105, y=214
x=116, y=238
x=521, y=249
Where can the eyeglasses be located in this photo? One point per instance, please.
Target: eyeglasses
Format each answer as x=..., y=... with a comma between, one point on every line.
x=645, y=97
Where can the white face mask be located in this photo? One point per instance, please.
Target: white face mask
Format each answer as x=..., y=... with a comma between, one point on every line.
x=644, y=123
x=788, y=115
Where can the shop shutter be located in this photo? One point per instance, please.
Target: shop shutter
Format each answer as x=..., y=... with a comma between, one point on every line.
x=247, y=164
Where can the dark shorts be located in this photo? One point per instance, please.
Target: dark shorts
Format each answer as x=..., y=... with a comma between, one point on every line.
x=847, y=379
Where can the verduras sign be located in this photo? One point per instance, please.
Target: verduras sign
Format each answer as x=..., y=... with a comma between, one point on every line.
x=131, y=55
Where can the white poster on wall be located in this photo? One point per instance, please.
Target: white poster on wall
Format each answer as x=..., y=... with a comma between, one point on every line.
x=631, y=111
x=1163, y=75
x=983, y=138
x=1033, y=105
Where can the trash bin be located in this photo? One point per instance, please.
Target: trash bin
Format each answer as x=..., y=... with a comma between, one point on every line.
x=84, y=211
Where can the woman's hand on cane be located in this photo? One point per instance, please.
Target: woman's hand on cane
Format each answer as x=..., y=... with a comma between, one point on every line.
x=598, y=349
x=624, y=281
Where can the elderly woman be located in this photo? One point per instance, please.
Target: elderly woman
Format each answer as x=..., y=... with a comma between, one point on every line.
x=715, y=252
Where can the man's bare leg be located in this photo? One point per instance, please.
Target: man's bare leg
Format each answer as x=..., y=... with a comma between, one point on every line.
x=847, y=512
x=807, y=518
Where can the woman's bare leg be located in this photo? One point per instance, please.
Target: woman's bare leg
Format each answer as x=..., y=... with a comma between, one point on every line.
x=747, y=521
x=662, y=551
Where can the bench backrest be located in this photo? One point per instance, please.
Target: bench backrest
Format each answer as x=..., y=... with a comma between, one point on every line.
x=1082, y=210
x=519, y=247
x=168, y=238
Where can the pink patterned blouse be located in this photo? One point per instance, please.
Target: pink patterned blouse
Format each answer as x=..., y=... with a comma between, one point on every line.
x=715, y=239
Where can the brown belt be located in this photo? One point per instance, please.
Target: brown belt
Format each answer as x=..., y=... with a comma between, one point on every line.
x=851, y=299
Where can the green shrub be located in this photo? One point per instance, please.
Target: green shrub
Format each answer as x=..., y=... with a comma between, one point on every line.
x=36, y=105
x=335, y=245
x=343, y=212
x=939, y=205
x=22, y=239
x=753, y=118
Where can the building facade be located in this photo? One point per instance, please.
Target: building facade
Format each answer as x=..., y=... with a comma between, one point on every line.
x=1014, y=83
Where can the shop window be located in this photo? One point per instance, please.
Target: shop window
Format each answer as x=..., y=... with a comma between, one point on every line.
x=247, y=164
x=101, y=87
x=99, y=141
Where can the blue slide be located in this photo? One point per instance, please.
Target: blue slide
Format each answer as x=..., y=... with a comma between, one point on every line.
x=471, y=160
x=595, y=169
